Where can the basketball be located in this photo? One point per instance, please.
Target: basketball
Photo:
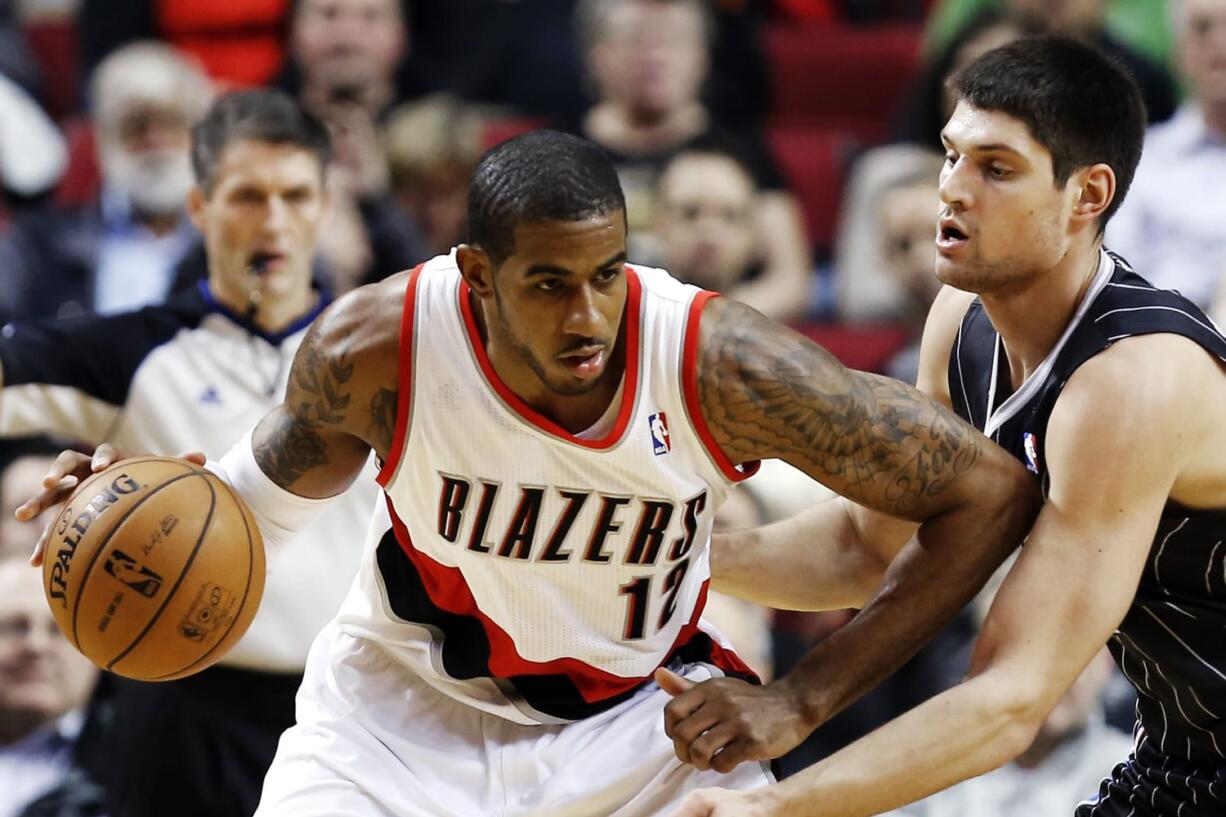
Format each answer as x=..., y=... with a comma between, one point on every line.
x=154, y=568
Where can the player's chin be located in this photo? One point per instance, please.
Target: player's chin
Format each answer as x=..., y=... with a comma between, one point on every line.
x=959, y=275
x=567, y=383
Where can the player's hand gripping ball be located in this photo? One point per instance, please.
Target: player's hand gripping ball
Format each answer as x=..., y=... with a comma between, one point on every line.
x=153, y=568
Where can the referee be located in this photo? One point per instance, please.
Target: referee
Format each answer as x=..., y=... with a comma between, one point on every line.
x=195, y=372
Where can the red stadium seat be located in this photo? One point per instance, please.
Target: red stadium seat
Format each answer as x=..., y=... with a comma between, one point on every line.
x=813, y=160
x=840, y=76
x=82, y=178
x=867, y=347
x=497, y=130
x=53, y=42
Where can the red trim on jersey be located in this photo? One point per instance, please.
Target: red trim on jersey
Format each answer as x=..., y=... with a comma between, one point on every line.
x=448, y=590
x=689, y=391
x=633, y=300
x=404, y=404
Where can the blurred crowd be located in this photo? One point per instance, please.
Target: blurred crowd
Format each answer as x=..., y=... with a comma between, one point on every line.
x=785, y=152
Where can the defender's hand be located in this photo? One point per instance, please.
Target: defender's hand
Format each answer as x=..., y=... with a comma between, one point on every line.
x=727, y=803
x=723, y=722
x=69, y=470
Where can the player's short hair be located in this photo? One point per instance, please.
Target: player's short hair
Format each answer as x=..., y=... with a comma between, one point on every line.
x=1077, y=102
x=539, y=176
x=261, y=115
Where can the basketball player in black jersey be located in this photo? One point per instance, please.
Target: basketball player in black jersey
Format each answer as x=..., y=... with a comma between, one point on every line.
x=1111, y=393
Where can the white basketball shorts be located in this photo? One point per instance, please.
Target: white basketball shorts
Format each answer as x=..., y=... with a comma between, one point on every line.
x=375, y=740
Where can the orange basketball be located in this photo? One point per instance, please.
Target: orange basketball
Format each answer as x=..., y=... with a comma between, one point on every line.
x=154, y=568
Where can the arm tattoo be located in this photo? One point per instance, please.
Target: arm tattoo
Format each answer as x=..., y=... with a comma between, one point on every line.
x=767, y=392
x=317, y=396
x=383, y=407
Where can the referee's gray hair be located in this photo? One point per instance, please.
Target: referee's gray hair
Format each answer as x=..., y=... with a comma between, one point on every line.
x=152, y=73
x=591, y=16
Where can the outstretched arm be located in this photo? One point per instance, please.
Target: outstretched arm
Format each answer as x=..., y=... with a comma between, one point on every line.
x=767, y=392
x=339, y=404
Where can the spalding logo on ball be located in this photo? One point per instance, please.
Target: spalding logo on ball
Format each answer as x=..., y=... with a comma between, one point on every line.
x=154, y=569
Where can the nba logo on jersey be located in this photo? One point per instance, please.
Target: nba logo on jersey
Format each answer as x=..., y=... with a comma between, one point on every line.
x=1031, y=445
x=660, y=442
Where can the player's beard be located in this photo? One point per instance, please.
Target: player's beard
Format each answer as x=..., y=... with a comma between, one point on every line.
x=529, y=357
x=983, y=277
x=156, y=183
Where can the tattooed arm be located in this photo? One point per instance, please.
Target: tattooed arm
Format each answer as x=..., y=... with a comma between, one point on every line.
x=768, y=392
x=341, y=399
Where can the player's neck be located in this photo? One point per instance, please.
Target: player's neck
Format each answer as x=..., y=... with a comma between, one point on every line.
x=1031, y=319
x=575, y=413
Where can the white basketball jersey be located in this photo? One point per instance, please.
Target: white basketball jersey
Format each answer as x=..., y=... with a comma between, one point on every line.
x=533, y=573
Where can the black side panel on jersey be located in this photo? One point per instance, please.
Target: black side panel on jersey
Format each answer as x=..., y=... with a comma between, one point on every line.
x=466, y=649
x=970, y=366
x=97, y=355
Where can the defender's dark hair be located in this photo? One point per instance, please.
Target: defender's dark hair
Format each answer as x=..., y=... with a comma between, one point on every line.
x=543, y=175
x=1078, y=103
x=262, y=115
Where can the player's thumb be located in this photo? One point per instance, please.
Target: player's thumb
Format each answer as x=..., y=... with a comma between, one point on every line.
x=671, y=682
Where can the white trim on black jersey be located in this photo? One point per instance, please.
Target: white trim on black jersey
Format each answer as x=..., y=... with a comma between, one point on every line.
x=1014, y=403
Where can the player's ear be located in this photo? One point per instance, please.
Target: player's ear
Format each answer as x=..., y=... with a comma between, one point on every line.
x=1097, y=184
x=477, y=269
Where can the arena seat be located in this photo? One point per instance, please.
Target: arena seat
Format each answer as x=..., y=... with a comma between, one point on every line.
x=867, y=347
x=498, y=129
x=53, y=42
x=851, y=77
x=813, y=160
x=82, y=177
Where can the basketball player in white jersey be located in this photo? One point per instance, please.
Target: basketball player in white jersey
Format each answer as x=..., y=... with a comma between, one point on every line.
x=556, y=428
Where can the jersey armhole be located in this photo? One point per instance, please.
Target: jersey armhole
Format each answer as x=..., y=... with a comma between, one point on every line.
x=404, y=403
x=689, y=394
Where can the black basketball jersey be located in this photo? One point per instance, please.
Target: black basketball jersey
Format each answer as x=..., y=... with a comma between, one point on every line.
x=1172, y=643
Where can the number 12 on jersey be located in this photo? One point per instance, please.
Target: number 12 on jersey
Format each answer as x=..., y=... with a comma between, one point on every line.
x=638, y=593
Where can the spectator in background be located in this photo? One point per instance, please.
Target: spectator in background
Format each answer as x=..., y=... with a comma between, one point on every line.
x=347, y=52
x=865, y=289
x=647, y=61
x=705, y=220
x=345, y=56
x=930, y=103
x=1173, y=223
x=432, y=148
x=121, y=250
x=907, y=212
x=43, y=684
x=1087, y=20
